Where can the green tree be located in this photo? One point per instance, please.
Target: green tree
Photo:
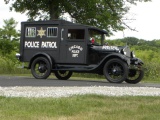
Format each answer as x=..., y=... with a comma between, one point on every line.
x=9, y=37
x=105, y=14
x=8, y=31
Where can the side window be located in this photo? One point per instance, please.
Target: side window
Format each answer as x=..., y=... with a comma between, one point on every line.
x=52, y=32
x=96, y=37
x=30, y=32
x=76, y=33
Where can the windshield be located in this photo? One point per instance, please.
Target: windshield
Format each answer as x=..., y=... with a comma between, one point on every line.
x=96, y=37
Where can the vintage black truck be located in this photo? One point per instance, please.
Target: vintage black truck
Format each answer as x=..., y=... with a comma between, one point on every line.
x=64, y=47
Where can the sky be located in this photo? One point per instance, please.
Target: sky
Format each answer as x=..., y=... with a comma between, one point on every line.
x=146, y=20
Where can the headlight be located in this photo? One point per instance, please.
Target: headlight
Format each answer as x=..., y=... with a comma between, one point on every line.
x=124, y=51
x=132, y=54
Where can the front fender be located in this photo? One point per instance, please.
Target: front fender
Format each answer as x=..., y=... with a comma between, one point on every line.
x=108, y=57
x=117, y=55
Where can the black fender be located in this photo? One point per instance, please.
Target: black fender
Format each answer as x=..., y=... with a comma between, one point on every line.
x=140, y=61
x=136, y=61
x=111, y=56
x=40, y=54
x=116, y=55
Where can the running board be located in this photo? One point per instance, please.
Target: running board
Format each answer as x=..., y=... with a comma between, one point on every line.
x=75, y=67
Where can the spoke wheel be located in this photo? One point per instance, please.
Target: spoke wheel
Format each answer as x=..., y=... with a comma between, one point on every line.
x=115, y=71
x=135, y=76
x=63, y=75
x=41, y=68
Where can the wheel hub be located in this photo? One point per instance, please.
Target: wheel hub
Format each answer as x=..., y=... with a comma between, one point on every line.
x=132, y=73
x=42, y=68
x=116, y=71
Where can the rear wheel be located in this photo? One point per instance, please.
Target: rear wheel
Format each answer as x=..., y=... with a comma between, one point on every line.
x=63, y=75
x=41, y=68
x=135, y=76
x=115, y=70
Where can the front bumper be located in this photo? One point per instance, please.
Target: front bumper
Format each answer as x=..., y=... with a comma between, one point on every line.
x=136, y=61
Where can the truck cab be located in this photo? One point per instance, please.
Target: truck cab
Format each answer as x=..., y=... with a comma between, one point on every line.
x=64, y=47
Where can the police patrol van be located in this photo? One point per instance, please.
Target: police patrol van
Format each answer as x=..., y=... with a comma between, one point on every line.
x=64, y=47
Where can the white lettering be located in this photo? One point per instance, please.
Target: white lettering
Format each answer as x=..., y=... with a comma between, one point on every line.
x=75, y=47
x=74, y=55
x=75, y=51
x=110, y=48
x=31, y=44
x=48, y=44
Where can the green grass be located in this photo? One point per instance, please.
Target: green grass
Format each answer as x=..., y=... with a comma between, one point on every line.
x=87, y=107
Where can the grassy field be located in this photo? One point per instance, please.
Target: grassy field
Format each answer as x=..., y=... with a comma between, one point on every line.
x=87, y=107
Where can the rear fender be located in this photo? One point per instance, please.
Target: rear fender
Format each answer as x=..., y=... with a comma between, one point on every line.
x=40, y=55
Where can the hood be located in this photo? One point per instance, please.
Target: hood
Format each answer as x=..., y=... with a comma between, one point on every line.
x=125, y=50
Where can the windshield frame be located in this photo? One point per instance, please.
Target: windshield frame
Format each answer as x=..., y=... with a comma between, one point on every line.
x=97, y=36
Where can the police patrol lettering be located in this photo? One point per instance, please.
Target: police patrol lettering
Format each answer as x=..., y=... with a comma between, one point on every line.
x=48, y=45
x=31, y=44
x=110, y=48
x=36, y=44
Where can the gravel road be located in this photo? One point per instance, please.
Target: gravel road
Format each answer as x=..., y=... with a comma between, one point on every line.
x=57, y=92
x=29, y=87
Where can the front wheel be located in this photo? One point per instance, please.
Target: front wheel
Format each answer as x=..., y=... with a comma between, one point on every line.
x=41, y=68
x=63, y=75
x=115, y=70
x=135, y=76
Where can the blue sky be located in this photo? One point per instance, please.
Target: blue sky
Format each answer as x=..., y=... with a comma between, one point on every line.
x=146, y=20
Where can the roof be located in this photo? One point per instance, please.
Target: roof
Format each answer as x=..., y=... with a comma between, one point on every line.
x=63, y=22
x=48, y=22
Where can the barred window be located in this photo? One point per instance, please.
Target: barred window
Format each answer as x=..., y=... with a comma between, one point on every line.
x=30, y=32
x=52, y=32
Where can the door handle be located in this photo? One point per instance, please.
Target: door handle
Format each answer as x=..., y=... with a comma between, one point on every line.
x=62, y=34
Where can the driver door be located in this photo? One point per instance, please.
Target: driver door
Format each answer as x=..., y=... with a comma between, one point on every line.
x=74, y=45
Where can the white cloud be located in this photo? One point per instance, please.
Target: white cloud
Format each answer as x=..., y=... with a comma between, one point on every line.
x=7, y=14
x=147, y=21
